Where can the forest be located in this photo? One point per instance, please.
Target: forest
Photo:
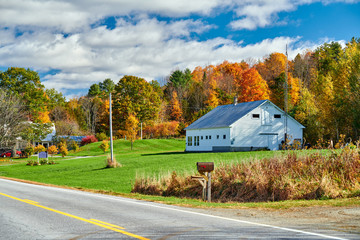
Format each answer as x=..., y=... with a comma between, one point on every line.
x=322, y=88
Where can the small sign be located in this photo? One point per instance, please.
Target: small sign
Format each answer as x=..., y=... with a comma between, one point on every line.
x=43, y=155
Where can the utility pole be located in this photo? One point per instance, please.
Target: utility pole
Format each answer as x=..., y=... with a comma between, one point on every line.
x=286, y=97
x=111, y=133
x=141, y=131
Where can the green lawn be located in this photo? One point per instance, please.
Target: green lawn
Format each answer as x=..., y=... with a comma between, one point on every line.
x=152, y=158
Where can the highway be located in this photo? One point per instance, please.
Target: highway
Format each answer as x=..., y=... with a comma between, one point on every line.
x=30, y=211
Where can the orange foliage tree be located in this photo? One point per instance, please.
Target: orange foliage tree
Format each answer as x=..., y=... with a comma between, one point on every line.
x=175, y=108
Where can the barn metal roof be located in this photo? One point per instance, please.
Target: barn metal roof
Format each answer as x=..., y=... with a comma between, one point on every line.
x=224, y=116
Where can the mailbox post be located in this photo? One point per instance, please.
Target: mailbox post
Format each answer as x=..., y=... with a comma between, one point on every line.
x=205, y=169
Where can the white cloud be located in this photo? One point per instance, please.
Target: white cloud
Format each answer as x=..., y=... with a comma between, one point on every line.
x=262, y=13
x=68, y=36
x=70, y=16
x=253, y=14
x=148, y=48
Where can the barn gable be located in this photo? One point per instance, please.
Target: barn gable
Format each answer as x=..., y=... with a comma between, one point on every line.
x=242, y=127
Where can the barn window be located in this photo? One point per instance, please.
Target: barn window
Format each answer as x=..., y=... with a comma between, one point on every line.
x=189, y=141
x=202, y=137
x=224, y=137
x=277, y=115
x=256, y=116
x=196, y=140
x=207, y=137
x=210, y=137
x=217, y=136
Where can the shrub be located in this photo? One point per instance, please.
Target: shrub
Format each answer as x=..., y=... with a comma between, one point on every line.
x=64, y=151
x=63, y=148
x=52, y=150
x=162, y=130
x=39, y=148
x=101, y=136
x=104, y=146
x=112, y=164
x=29, y=150
x=74, y=146
x=31, y=162
x=88, y=140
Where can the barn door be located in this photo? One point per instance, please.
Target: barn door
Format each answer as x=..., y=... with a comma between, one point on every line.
x=273, y=143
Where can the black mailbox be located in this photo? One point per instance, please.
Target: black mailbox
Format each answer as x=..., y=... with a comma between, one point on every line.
x=205, y=167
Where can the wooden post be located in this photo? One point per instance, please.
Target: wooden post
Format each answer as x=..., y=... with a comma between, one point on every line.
x=209, y=187
x=204, y=193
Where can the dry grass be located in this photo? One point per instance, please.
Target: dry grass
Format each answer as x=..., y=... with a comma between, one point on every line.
x=113, y=163
x=290, y=177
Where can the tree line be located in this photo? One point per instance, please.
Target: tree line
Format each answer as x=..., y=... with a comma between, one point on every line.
x=322, y=86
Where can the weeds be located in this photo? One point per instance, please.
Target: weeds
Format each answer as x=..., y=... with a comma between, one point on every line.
x=113, y=163
x=288, y=177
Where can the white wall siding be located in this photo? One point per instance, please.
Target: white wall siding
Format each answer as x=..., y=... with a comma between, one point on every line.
x=263, y=127
x=267, y=131
x=208, y=138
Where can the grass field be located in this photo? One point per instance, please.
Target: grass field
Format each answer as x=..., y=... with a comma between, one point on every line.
x=148, y=158
x=154, y=158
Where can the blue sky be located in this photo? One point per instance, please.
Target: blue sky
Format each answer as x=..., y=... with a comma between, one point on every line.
x=73, y=44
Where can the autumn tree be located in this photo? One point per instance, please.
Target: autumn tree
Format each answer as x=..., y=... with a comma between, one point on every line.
x=52, y=150
x=134, y=95
x=12, y=117
x=34, y=132
x=275, y=70
x=26, y=85
x=131, y=126
x=91, y=110
x=175, y=108
x=251, y=87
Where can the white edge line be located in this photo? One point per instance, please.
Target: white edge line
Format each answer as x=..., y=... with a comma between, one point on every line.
x=152, y=204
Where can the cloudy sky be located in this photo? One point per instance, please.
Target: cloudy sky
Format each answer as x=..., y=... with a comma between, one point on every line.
x=75, y=43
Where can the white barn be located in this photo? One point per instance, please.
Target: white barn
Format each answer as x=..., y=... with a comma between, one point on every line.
x=242, y=127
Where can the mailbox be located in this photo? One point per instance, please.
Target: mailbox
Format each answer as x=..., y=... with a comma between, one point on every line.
x=205, y=167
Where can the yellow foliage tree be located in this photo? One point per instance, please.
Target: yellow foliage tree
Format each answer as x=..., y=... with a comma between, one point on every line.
x=52, y=150
x=132, y=126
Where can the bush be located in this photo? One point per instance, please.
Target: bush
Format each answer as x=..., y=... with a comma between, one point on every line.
x=52, y=150
x=162, y=130
x=32, y=163
x=112, y=164
x=39, y=148
x=74, y=146
x=29, y=150
x=88, y=140
x=104, y=146
x=63, y=148
x=101, y=136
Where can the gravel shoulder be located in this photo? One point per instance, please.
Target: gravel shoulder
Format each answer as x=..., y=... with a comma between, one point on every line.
x=342, y=219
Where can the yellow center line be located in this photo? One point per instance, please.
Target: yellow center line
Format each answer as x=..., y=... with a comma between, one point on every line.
x=109, y=224
x=92, y=221
x=29, y=201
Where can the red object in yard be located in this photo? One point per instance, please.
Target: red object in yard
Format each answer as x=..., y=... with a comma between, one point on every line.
x=6, y=154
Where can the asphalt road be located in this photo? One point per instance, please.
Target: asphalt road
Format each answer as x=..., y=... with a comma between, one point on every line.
x=38, y=212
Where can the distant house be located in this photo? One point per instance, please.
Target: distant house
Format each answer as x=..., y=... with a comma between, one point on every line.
x=243, y=127
x=77, y=139
x=48, y=140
